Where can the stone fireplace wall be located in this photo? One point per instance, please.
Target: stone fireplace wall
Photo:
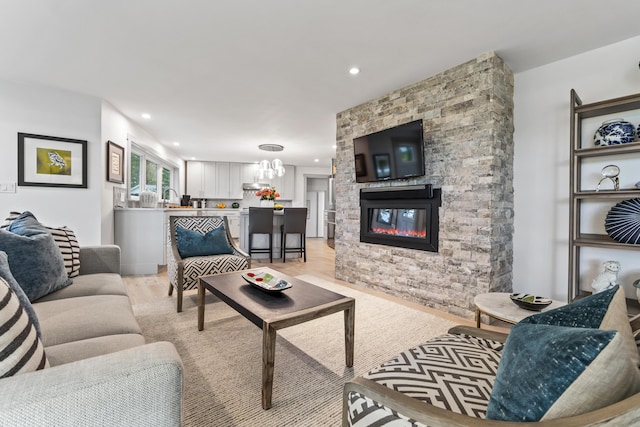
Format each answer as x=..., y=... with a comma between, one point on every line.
x=467, y=113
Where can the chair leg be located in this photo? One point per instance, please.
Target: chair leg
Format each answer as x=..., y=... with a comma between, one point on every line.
x=303, y=244
x=170, y=289
x=271, y=248
x=179, y=295
x=283, y=247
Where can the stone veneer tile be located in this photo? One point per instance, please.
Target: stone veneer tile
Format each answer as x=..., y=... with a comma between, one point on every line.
x=467, y=113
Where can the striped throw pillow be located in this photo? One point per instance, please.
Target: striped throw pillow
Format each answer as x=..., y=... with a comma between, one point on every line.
x=21, y=350
x=68, y=244
x=65, y=239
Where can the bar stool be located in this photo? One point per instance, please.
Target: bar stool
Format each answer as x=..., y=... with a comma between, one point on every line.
x=295, y=222
x=261, y=222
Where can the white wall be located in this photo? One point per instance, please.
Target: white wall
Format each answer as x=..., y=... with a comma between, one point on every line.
x=302, y=172
x=119, y=129
x=53, y=112
x=541, y=165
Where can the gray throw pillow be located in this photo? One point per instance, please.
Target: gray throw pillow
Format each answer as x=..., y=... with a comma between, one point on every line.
x=34, y=258
x=5, y=273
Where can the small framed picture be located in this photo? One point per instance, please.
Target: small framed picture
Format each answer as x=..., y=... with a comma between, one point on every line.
x=361, y=166
x=383, y=166
x=115, y=163
x=49, y=161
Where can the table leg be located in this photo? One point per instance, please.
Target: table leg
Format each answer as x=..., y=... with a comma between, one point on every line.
x=477, y=317
x=349, y=328
x=268, y=360
x=200, y=306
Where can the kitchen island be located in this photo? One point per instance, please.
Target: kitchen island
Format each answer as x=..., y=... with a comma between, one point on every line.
x=261, y=240
x=141, y=234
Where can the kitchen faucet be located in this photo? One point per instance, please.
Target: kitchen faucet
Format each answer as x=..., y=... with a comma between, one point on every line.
x=164, y=201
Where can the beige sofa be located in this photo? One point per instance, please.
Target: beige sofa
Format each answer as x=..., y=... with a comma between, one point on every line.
x=102, y=372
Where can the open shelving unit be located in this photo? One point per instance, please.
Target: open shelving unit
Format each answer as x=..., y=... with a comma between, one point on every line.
x=579, y=239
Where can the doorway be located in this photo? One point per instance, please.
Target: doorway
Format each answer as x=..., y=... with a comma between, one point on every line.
x=316, y=199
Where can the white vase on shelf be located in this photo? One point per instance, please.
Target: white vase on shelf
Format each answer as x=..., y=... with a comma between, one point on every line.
x=267, y=203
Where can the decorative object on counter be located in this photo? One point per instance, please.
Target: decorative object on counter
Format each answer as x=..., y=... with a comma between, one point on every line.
x=608, y=278
x=614, y=132
x=148, y=199
x=270, y=169
x=622, y=223
x=221, y=206
x=636, y=285
x=611, y=173
x=267, y=196
x=184, y=201
x=119, y=197
x=278, y=206
x=235, y=205
x=115, y=163
x=195, y=203
x=530, y=302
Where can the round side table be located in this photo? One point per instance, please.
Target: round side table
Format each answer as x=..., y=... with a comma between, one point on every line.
x=499, y=306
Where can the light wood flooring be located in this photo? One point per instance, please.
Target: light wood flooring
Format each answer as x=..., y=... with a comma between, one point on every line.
x=320, y=263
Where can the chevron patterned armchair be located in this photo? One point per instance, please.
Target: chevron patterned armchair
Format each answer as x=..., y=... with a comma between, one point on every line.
x=184, y=271
x=448, y=381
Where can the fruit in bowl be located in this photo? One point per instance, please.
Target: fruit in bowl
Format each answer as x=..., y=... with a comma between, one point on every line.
x=278, y=206
x=221, y=206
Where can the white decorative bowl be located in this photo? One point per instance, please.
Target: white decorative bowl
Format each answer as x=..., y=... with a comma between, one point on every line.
x=148, y=199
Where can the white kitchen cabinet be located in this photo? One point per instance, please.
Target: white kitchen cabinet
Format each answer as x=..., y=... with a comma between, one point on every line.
x=285, y=185
x=250, y=172
x=195, y=179
x=210, y=180
x=235, y=180
x=214, y=180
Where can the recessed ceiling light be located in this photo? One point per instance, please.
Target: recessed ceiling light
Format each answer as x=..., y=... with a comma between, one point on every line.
x=177, y=144
x=193, y=158
x=354, y=70
x=334, y=146
x=146, y=115
x=316, y=160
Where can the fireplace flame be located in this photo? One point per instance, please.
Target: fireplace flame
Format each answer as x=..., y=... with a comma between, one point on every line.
x=395, y=232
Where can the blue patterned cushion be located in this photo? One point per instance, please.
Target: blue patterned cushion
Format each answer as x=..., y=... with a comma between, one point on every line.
x=5, y=273
x=603, y=310
x=192, y=243
x=34, y=258
x=549, y=372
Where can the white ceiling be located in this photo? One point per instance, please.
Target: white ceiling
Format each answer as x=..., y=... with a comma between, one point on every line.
x=222, y=77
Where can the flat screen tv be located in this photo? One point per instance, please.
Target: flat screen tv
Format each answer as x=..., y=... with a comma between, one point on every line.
x=393, y=153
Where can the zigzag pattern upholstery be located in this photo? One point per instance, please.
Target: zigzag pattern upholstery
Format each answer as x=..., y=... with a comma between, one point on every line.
x=453, y=371
x=184, y=273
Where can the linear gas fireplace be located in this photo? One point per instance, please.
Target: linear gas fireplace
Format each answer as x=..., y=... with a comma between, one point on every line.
x=406, y=217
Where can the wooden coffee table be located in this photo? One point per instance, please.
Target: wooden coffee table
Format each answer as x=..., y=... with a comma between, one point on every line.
x=273, y=311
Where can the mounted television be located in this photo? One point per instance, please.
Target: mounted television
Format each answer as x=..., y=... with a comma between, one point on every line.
x=393, y=153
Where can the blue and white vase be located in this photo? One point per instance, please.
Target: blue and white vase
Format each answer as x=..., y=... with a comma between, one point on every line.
x=614, y=132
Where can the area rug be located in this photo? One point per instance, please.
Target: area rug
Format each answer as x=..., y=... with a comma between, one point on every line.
x=223, y=363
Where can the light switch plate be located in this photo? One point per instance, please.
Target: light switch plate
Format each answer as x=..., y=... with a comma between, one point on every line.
x=7, y=187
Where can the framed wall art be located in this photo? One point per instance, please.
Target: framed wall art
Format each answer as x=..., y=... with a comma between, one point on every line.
x=49, y=161
x=115, y=163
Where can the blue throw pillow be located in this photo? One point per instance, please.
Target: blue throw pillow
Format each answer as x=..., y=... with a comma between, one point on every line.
x=34, y=258
x=549, y=372
x=5, y=273
x=603, y=310
x=192, y=243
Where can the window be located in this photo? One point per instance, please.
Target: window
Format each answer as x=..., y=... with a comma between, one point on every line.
x=149, y=173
